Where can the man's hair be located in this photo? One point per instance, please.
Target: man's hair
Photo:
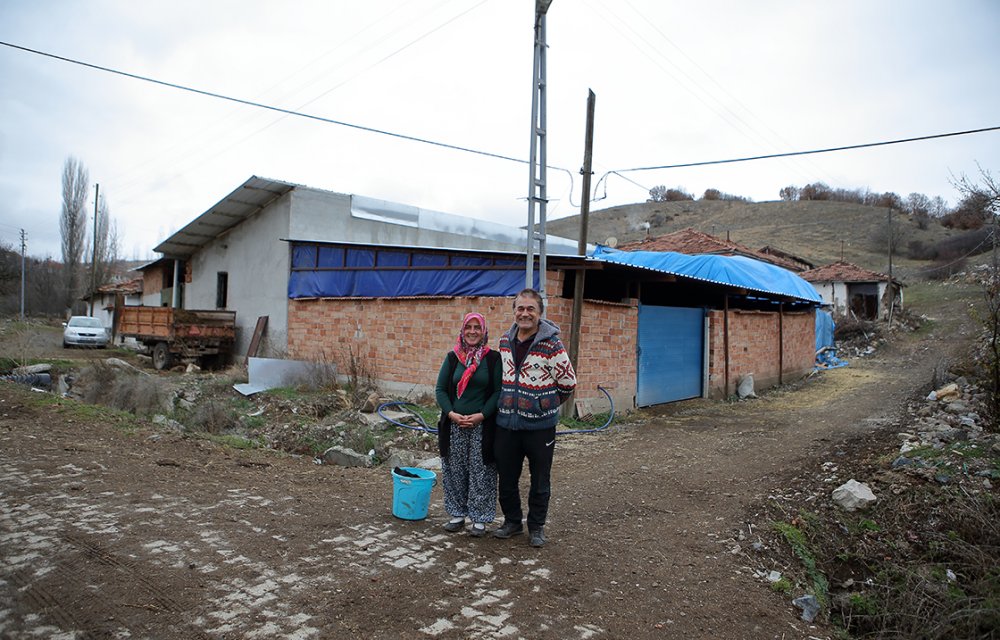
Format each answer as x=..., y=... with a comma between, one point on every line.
x=530, y=293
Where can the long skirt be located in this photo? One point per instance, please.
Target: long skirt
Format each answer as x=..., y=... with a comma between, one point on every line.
x=470, y=485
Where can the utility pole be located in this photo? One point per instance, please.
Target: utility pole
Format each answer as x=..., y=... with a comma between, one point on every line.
x=538, y=156
x=892, y=289
x=22, y=274
x=93, y=260
x=581, y=245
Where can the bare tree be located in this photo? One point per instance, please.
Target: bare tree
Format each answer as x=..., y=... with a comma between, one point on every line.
x=658, y=194
x=108, y=244
x=10, y=279
x=986, y=192
x=73, y=226
x=938, y=207
x=789, y=193
x=891, y=236
x=919, y=207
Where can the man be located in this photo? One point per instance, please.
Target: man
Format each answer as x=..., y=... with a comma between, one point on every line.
x=537, y=378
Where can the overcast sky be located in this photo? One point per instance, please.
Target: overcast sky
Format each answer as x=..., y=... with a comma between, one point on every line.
x=676, y=82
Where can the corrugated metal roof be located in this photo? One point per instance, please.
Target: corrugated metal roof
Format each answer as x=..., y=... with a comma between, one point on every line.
x=250, y=197
x=257, y=193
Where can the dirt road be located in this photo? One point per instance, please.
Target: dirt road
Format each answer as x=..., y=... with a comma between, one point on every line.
x=112, y=534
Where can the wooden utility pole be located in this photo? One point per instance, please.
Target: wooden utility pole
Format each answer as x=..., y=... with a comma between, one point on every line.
x=22, y=275
x=892, y=290
x=581, y=245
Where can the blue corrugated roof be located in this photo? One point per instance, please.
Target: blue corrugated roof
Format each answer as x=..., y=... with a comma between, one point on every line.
x=737, y=271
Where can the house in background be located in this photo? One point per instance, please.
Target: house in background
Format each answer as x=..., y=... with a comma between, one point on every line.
x=104, y=299
x=158, y=279
x=693, y=242
x=799, y=262
x=852, y=291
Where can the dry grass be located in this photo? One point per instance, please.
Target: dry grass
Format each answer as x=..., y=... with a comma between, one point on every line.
x=122, y=389
x=819, y=231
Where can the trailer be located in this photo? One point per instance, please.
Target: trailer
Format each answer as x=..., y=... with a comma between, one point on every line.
x=179, y=335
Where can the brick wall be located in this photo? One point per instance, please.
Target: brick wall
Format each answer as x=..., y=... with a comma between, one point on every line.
x=607, y=355
x=404, y=340
x=754, y=347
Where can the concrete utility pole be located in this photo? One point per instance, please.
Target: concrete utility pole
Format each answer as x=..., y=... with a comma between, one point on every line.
x=93, y=259
x=538, y=156
x=22, y=274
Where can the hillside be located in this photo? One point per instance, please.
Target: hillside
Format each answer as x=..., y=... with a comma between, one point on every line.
x=819, y=231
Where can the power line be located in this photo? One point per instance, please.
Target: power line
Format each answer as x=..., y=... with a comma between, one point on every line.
x=250, y=103
x=811, y=152
x=233, y=125
x=489, y=154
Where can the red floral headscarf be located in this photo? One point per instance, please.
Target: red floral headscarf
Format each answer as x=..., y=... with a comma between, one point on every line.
x=470, y=355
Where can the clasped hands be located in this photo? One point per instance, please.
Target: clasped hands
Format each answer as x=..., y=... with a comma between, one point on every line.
x=466, y=422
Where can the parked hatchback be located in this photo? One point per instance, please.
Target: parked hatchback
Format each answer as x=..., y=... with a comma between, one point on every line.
x=84, y=331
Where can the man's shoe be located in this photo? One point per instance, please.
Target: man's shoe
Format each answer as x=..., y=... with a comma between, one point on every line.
x=478, y=530
x=508, y=529
x=536, y=537
x=454, y=525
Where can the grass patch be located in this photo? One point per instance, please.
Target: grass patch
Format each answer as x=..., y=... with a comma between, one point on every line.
x=783, y=585
x=429, y=414
x=800, y=546
x=594, y=421
x=866, y=525
x=125, y=421
x=233, y=441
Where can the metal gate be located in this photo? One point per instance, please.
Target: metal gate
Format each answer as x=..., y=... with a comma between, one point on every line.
x=671, y=354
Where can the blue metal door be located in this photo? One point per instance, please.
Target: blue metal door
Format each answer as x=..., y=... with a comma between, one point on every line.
x=671, y=354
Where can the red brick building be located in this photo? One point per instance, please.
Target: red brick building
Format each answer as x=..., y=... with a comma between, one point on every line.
x=633, y=320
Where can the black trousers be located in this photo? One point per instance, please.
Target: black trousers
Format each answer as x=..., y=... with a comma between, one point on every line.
x=510, y=449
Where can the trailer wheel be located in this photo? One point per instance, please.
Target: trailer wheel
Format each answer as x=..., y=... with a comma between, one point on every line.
x=161, y=356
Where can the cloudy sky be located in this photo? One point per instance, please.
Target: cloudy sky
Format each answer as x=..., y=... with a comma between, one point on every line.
x=676, y=82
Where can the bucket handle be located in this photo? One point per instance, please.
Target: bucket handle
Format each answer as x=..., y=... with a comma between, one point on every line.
x=404, y=480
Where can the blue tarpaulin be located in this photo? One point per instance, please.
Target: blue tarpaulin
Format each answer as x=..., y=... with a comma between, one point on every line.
x=344, y=272
x=824, y=330
x=736, y=271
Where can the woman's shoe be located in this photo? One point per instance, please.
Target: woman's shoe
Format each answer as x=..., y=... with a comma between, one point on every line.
x=478, y=530
x=454, y=525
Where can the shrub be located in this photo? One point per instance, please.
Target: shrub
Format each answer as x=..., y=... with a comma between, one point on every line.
x=214, y=417
x=943, y=269
x=131, y=391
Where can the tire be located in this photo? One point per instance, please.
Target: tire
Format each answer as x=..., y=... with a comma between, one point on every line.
x=162, y=358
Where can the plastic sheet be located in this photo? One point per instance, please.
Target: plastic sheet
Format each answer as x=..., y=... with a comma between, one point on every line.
x=737, y=271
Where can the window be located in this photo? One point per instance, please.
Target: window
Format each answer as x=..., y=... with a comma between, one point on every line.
x=221, y=290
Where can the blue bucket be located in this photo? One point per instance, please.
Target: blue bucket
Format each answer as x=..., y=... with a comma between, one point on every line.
x=411, y=497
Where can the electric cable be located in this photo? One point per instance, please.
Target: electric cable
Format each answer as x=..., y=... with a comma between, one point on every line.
x=489, y=154
x=813, y=151
x=259, y=105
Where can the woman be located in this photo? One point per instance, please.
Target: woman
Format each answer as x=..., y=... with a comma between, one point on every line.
x=467, y=390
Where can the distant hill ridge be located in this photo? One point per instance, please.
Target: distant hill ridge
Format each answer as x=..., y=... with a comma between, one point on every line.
x=821, y=232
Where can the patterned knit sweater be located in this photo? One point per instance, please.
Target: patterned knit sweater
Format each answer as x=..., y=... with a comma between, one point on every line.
x=530, y=396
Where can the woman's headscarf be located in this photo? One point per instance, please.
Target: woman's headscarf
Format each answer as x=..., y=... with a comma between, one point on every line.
x=468, y=355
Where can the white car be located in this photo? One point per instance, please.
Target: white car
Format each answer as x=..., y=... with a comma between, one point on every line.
x=84, y=331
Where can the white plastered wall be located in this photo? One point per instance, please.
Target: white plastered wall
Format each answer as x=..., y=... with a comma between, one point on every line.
x=257, y=261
